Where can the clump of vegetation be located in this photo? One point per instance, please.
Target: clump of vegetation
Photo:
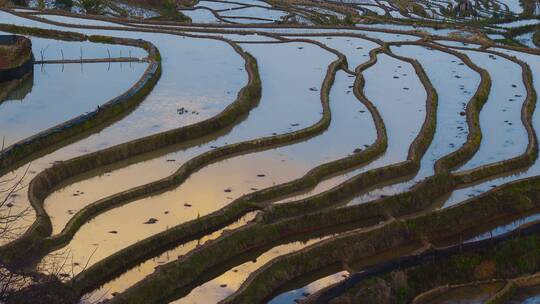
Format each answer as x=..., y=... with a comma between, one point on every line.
x=536, y=39
x=10, y=3
x=169, y=12
x=332, y=20
x=348, y=20
x=187, y=3
x=419, y=10
x=64, y=4
x=94, y=7
x=168, y=9
x=508, y=41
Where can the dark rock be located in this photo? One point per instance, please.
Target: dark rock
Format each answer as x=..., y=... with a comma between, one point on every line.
x=151, y=221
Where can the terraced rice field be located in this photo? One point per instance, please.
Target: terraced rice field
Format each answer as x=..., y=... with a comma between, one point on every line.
x=272, y=152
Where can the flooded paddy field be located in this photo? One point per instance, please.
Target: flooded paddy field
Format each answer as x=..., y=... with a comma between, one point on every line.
x=263, y=152
x=305, y=100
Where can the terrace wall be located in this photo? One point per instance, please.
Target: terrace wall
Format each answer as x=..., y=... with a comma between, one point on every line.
x=16, y=59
